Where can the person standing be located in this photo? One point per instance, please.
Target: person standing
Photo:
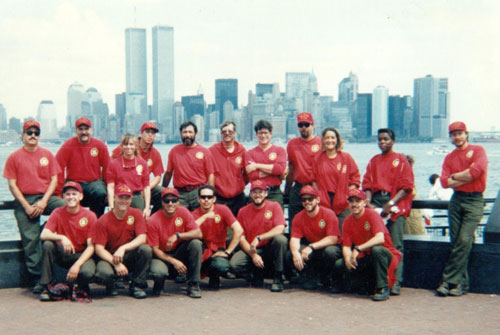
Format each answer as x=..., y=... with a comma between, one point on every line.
x=464, y=170
x=31, y=173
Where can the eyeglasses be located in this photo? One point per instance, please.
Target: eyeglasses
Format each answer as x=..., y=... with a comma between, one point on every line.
x=206, y=197
x=32, y=132
x=303, y=124
x=227, y=132
x=263, y=133
x=171, y=200
x=308, y=199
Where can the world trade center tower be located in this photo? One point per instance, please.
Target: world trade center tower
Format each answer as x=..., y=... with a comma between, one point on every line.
x=136, y=78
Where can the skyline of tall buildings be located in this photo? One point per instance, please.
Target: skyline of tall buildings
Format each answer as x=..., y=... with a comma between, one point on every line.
x=225, y=90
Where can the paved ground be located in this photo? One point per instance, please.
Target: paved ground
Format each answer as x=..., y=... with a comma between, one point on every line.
x=239, y=309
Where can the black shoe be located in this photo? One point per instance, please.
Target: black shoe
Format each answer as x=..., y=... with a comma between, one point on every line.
x=396, y=288
x=214, y=282
x=457, y=291
x=38, y=288
x=120, y=283
x=180, y=279
x=44, y=295
x=193, y=290
x=443, y=290
x=158, y=287
x=229, y=275
x=112, y=290
x=335, y=289
x=382, y=294
x=137, y=292
x=277, y=285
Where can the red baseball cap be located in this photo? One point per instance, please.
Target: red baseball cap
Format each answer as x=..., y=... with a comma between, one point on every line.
x=72, y=184
x=305, y=117
x=122, y=189
x=83, y=120
x=31, y=123
x=456, y=126
x=149, y=125
x=356, y=192
x=311, y=190
x=169, y=190
x=258, y=184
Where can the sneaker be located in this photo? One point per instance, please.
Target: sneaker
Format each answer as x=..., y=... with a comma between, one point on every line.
x=38, y=288
x=137, y=292
x=214, y=282
x=457, y=291
x=396, y=288
x=111, y=290
x=382, y=294
x=443, y=290
x=44, y=295
x=277, y=285
x=193, y=290
x=158, y=287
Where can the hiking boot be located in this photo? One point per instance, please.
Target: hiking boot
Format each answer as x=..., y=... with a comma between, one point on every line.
x=158, y=287
x=396, y=288
x=443, y=290
x=45, y=296
x=111, y=290
x=382, y=294
x=137, y=292
x=277, y=285
x=214, y=282
x=457, y=291
x=193, y=290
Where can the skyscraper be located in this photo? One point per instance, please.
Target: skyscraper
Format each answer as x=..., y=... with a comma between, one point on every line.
x=431, y=102
x=3, y=118
x=379, y=109
x=163, y=77
x=400, y=115
x=47, y=116
x=136, y=77
x=297, y=83
x=348, y=88
x=75, y=98
x=193, y=105
x=225, y=89
x=362, y=121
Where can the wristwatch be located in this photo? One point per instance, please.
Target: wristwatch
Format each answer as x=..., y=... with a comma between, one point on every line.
x=258, y=238
x=357, y=248
x=391, y=203
x=178, y=235
x=311, y=246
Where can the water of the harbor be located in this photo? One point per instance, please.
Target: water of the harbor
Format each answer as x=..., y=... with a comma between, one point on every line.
x=427, y=162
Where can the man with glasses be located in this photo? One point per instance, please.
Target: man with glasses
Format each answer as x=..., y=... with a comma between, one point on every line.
x=31, y=173
x=153, y=157
x=229, y=159
x=302, y=152
x=267, y=162
x=313, y=240
x=84, y=159
x=263, y=243
x=191, y=166
x=214, y=221
x=177, y=248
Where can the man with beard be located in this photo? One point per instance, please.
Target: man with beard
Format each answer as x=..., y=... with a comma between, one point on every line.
x=31, y=173
x=464, y=170
x=230, y=179
x=84, y=159
x=191, y=165
x=263, y=243
x=314, y=238
x=302, y=152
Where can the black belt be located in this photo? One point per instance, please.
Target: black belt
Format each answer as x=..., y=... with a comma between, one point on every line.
x=273, y=188
x=469, y=194
x=137, y=193
x=301, y=185
x=384, y=193
x=188, y=188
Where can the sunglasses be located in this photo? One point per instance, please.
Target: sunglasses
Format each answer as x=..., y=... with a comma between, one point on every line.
x=308, y=199
x=171, y=200
x=303, y=124
x=206, y=197
x=32, y=132
x=228, y=132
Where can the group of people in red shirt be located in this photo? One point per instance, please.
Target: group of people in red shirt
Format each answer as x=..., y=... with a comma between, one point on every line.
x=204, y=225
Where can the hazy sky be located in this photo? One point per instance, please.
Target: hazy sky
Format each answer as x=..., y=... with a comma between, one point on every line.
x=46, y=45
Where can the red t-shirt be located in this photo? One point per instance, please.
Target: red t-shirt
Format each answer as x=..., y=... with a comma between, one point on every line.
x=215, y=230
x=257, y=221
x=230, y=169
x=161, y=227
x=82, y=162
x=274, y=155
x=191, y=165
x=31, y=170
x=473, y=157
x=152, y=157
x=335, y=175
x=314, y=229
x=113, y=233
x=132, y=172
x=301, y=154
x=76, y=227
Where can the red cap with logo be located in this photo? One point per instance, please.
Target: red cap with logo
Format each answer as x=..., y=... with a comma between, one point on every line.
x=122, y=189
x=356, y=192
x=311, y=190
x=305, y=117
x=83, y=120
x=169, y=190
x=149, y=125
x=456, y=126
x=31, y=123
x=258, y=184
x=72, y=184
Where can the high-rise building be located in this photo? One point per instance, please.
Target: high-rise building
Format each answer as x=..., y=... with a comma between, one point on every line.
x=200, y=124
x=15, y=124
x=97, y=111
x=431, y=103
x=120, y=110
x=348, y=88
x=163, y=77
x=297, y=83
x=267, y=91
x=75, y=98
x=400, y=115
x=3, y=118
x=136, y=77
x=379, y=108
x=362, y=121
x=47, y=116
x=193, y=105
x=225, y=89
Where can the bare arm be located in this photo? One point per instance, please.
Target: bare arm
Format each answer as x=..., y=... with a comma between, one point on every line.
x=111, y=195
x=32, y=211
x=154, y=182
x=85, y=256
x=42, y=203
x=211, y=179
x=147, y=202
x=166, y=179
x=289, y=178
x=237, y=232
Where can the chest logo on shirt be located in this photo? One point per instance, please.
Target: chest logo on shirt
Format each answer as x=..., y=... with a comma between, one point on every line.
x=150, y=162
x=44, y=161
x=469, y=154
x=339, y=166
x=83, y=222
x=238, y=160
x=395, y=162
x=315, y=148
x=268, y=214
x=94, y=152
x=344, y=169
x=139, y=169
x=367, y=226
x=322, y=223
x=217, y=218
x=199, y=155
x=130, y=220
x=178, y=222
x=273, y=156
